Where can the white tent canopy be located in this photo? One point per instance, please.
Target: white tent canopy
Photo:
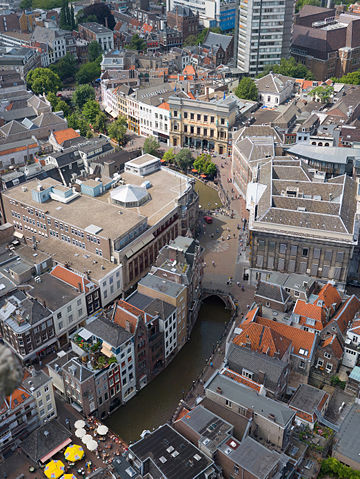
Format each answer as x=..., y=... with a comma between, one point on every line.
x=86, y=439
x=92, y=445
x=79, y=424
x=102, y=430
x=80, y=432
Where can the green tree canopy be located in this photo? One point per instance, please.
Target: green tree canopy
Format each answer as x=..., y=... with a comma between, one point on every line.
x=43, y=80
x=200, y=38
x=169, y=155
x=94, y=51
x=78, y=122
x=351, y=78
x=322, y=92
x=204, y=165
x=88, y=72
x=246, y=89
x=82, y=94
x=301, y=3
x=90, y=110
x=26, y=4
x=99, y=124
x=184, y=159
x=151, y=146
x=66, y=67
x=117, y=129
x=290, y=68
x=137, y=43
x=67, y=18
x=100, y=11
x=64, y=107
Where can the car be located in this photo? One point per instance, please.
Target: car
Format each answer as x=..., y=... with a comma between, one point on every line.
x=208, y=220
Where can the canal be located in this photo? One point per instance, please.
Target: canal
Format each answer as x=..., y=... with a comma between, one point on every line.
x=156, y=403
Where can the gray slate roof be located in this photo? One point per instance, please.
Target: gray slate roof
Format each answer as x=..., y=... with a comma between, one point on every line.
x=307, y=398
x=162, y=285
x=37, y=379
x=245, y=397
x=240, y=357
x=272, y=291
x=348, y=436
x=108, y=331
x=45, y=439
x=213, y=40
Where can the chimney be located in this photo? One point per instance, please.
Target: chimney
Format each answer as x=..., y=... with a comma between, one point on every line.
x=219, y=390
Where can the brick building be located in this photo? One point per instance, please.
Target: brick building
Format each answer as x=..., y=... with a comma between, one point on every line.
x=93, y=31
x=184, y=20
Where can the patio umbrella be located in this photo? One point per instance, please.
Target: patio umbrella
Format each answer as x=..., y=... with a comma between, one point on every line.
x=85, y=439
x=102, y=430
x=80, y=432
x=74, y=453
x=79, y=424
x=92, y=445
x=54, y=469
x=68, y=476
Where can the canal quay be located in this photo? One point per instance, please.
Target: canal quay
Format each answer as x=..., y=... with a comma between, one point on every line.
x=224, y=258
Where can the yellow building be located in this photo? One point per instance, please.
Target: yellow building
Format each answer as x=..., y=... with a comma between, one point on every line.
x=202, y=124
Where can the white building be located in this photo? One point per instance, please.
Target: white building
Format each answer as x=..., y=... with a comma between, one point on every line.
x=55, y=44
x=155, y=121
x=208, y=10
x=274, y=89
x=264, y=33
x=95, y=31
x=40, y=386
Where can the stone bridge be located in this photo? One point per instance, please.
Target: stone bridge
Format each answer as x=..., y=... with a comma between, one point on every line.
x=226, y=297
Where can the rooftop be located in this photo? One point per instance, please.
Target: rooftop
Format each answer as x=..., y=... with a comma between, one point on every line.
x=347, y=439
x=173, y=456
x=52, y=292
x=161, y=285
x=270, y=409
x=108, y=331
x=37, y=379
x=252, y=456
x=96, y=27
x=307, y=398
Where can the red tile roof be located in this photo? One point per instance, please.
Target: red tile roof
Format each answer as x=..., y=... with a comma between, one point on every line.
x=262, y=339
x=189, y=70
x=302, y=341
x=63, y=135
x=242, y=380
x=311, y=311
x=164, y=106
x=335, y=345
x=251, y=315
x=71, y=278
x=330, y=295
x=147, y=28
x=346, y=313
x=19, y=148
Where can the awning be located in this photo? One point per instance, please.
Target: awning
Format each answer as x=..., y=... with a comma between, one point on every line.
x=18, y=235
x=106, y=350
x=54, y=451
x=85, y=334
x=147, y=239
x=113, y=114
x=108, y=109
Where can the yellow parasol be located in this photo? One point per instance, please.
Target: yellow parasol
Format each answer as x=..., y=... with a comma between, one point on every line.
x=54, y=469
x=68, y=476
x=74, y=453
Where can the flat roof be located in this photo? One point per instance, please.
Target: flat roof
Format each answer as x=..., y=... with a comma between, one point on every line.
x=54, y=292
x=162, y=285
x=347, y=439
x=143, y=160
x=79, y=260
x=173, y=455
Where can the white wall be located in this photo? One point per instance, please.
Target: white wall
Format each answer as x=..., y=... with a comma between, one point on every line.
x=70, y=315
x=111, y=285
x=45, y=401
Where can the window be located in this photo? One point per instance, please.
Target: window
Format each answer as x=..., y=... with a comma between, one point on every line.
x=302, y=365
x=282, y=248
x=320, y=363
x=329, y=367
x=246, y=373
x=305, y=251
x=327, y=355
x=236, y=469
x=228, y=403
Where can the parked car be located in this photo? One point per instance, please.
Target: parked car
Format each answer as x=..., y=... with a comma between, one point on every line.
x=208, y=220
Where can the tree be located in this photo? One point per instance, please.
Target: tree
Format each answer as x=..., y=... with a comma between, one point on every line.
x=137, y=43
x=53, y=99
x=99, y=123
x=64, y=107
x=82, y=94
x=117, y=129
x=90, y=110
x=66, y=67
x=67, y=17
x=289, y=67
x=247, y=89
x=151, y=146
x=301, y=3
x=184, y=159
x=351, y=78
x=43, y=80
x=169, y=156
x=322, y=92
x=190, y=40
x=88, y=72
x=77, y=122
x=94, y=50
x=203, y=164
x=26, y=4
x=99, y=10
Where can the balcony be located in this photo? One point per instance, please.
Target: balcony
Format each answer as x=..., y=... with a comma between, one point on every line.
x=91, y=353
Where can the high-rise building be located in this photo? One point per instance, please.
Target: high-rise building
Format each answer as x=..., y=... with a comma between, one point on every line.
x=264, y=33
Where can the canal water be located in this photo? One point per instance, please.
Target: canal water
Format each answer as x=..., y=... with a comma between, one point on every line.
x=156, y=403
x=208, y=196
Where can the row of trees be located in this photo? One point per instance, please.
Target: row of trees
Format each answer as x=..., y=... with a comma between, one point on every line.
x=67, y=16
x=184, y=161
